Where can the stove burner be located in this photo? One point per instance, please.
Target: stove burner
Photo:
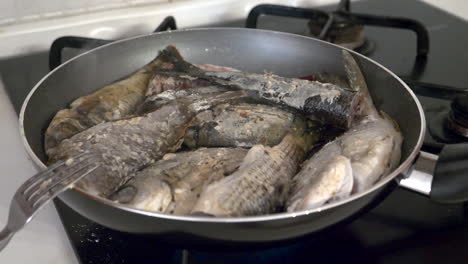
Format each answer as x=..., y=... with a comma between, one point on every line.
x=342, y=26
x=446, y=123
x=343, y=33
x=458, y=116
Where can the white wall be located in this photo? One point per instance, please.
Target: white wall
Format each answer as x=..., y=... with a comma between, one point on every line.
x=17, y=11
x=23, y=35
x=21, y=11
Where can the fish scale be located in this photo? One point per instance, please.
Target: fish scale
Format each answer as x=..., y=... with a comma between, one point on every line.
x=259, y=185
x=112, y=102
x=247, y=190
x=160, y=132
x=369, y=150
x=178, y=178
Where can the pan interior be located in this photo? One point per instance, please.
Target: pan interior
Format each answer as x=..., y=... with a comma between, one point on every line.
x=248, y=50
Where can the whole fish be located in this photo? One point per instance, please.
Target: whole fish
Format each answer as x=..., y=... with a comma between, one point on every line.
x=242, y=125
x=115, y=101
x=353, y=162
x=173, y=184
x=127, y=145
x=325, y=102
x=349, y=164
x=384, y=149
x=261, y=183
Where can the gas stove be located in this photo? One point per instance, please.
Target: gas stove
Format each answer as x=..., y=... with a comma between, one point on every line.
x=424, y=47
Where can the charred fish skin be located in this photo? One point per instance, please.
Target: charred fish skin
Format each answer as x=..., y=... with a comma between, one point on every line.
x=242, y=125
x=115, y=101
x=125, y=146
x=172, y=185
x=164, y=82
x=260, y=184
x=324, y=102
x=153, y=102
x=174, y=61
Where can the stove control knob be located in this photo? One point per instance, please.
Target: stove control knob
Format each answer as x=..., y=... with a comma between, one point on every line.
x=458, y=116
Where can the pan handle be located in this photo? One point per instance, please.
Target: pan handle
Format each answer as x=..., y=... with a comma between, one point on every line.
x=420, y=177
x=444, y=178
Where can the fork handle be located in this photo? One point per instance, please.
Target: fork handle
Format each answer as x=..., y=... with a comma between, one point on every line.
x=5, y=237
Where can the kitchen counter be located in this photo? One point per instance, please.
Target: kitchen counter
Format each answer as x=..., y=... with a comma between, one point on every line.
x=456, y=7
x=44, y=240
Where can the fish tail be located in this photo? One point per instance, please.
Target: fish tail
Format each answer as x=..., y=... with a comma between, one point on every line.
x=358, y=83
x=167, y=59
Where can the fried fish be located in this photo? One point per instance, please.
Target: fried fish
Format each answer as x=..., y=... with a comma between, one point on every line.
x=174, y=183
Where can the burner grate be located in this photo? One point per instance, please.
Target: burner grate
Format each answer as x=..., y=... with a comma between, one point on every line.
x=342, y=26
x=55, y=54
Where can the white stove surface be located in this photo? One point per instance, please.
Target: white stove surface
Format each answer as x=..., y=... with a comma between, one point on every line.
x=44, y=240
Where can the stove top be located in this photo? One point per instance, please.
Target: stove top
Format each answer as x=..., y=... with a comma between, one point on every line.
x=404, y=228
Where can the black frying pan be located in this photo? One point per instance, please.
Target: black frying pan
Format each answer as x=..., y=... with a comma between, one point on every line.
x=248, y=50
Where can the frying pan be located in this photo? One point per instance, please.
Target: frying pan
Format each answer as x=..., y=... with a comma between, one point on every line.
x=250, y=50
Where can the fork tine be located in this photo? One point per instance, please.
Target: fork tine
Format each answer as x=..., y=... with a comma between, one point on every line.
x=53, y=182
x=59, y=177
x=53, y=176
x=62, y=185
x=31, y=181
x=28, y=188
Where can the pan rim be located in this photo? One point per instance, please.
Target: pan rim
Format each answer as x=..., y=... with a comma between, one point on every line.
x=401, y=169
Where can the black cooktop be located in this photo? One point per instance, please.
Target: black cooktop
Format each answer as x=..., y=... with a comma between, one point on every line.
x=404, y=228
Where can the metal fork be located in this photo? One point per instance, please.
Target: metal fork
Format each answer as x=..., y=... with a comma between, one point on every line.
x=33, y=194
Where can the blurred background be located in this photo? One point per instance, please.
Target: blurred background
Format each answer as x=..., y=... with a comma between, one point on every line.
x=405, y=228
